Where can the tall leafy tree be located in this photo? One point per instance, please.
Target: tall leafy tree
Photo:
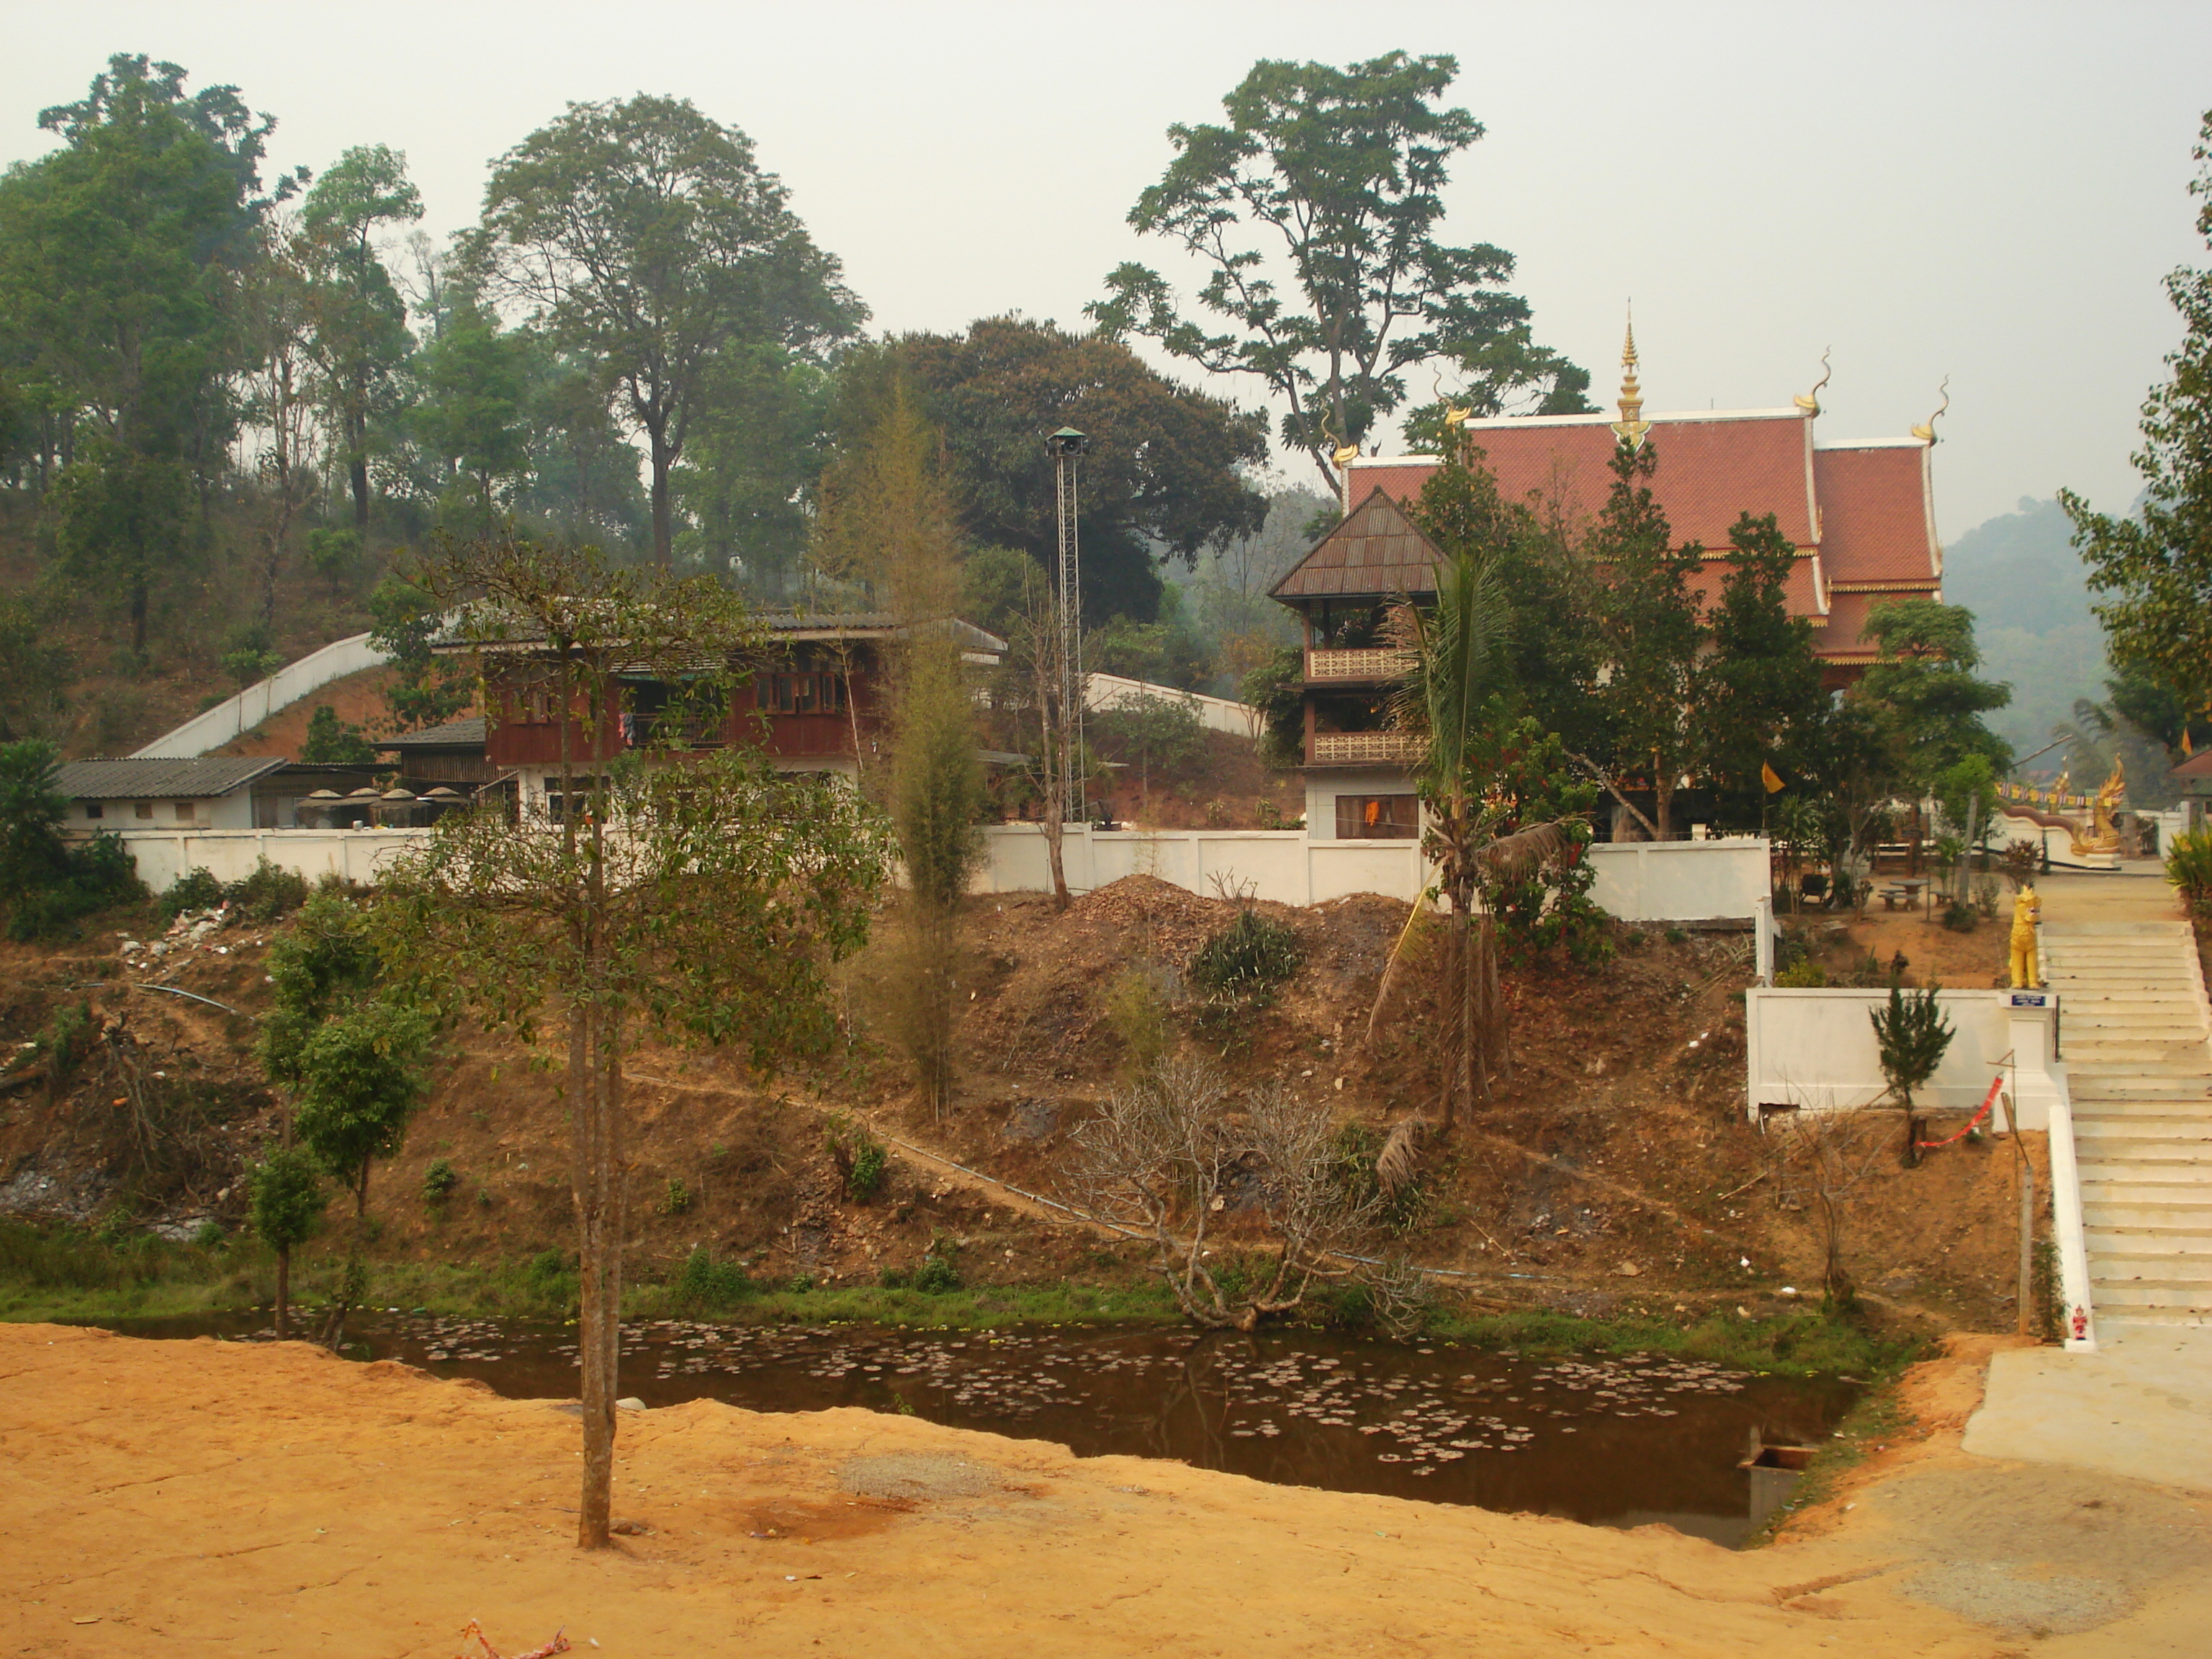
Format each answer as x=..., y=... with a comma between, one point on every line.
x=887, y=514
x=1761, y=702
x=468, y=415
x=702, y=899
x=1167, y=467
x=360, y=336
x=1652, y=633
x=1315, y=211
x=2157, y=564
x=120, y=520
x=646, y=235
x=758, y=444
x=1923, y=701
x=1552, y=642
x=119, y=252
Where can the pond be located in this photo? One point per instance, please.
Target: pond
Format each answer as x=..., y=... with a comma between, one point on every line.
x=1610, y=1440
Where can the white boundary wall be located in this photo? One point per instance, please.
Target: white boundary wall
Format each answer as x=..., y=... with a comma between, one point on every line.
x=1721, y=879
x=1694, y=881
x=1215, y=714
x=237, y=715
x=354, y=855
x=1816, y=1049
x=1638, y=881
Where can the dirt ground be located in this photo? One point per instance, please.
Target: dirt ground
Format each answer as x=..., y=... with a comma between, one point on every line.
x=358, y=700
x=210, y=1497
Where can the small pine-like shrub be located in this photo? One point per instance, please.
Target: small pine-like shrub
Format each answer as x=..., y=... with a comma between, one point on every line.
x=1802, y=974
x=676, y=1198
x=1247, y=959
x=439, y=1181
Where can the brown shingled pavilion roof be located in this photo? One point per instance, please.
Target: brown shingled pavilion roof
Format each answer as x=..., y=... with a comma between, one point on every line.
x=1874, y=523
x=1376, y=550
x=2196, y=766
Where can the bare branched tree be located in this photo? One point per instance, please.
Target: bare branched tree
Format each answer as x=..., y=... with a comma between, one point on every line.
x=1172, y=1158
x=1830, y=1155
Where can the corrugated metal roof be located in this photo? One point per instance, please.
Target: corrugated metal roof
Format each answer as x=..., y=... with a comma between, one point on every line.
x=467, y=733
x=154, y=779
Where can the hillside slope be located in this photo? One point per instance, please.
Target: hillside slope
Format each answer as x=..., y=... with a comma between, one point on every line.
x=1613, y=1173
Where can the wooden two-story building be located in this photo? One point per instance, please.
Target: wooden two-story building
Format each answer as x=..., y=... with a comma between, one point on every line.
x=811, y=698
x=1861, y=516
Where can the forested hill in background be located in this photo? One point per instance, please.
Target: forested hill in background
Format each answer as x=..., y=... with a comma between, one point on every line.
x=2019, y=575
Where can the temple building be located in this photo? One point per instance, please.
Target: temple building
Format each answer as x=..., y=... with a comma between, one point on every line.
x=1860, y=515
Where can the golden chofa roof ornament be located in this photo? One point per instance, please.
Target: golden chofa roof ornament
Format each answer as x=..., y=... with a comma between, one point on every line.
x=1345, y=455
x=1926, y=430
x=1631, y=426
x=1810, y=402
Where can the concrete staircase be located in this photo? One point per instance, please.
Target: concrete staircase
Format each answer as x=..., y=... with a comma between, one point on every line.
x=2136, y=1039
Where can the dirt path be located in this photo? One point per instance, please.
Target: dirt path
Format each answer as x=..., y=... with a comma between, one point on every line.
x=207, y=1497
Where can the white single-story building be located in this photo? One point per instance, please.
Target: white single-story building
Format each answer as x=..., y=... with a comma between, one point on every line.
x=210, y=792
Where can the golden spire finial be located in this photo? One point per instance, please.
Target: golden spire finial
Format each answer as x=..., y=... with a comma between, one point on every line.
x=1631, y=426
x=1810, y=402
x=1926, y=430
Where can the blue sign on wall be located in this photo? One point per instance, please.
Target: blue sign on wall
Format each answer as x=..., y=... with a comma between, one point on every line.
x=2031, y=999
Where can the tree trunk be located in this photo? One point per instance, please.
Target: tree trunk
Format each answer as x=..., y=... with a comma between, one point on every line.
x=664, y=539
x=595, y=1077
x=284, y=1290
x=357, y=470
x=138, y=617
x=1662, y=805
x=1462, y=1087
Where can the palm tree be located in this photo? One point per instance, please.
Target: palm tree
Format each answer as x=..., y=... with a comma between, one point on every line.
x=1455, y=696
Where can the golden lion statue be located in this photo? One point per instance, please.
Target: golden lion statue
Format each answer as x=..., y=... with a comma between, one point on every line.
x=2027, y=911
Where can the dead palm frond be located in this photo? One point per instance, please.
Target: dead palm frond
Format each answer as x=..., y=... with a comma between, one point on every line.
x=1416, y=941
x=1523, y=854
x=1398, y=1165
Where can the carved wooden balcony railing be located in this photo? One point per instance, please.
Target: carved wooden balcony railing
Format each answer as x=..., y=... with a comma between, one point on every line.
x=1363, y=748
x=1362, y=664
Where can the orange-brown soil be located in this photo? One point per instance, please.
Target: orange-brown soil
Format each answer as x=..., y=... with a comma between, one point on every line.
x=210, y=1497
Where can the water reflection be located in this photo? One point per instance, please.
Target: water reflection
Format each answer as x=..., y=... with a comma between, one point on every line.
x=1615, y=1442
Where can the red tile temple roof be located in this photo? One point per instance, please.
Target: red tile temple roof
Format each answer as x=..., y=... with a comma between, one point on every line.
x=1860, y=515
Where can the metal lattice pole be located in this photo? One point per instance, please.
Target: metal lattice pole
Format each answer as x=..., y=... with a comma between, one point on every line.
x=1067, y=446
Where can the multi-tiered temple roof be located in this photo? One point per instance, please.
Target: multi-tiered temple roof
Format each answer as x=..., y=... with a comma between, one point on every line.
x=1861, y=515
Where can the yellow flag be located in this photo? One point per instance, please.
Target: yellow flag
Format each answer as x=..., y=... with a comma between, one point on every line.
x=2185, y=747
x=1772, y=778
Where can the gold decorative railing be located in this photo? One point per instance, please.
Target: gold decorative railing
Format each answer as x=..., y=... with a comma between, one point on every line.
x=1363, y=748
x=1364, y=665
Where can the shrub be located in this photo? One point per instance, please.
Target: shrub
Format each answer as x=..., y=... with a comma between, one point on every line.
x=676, y=1198
x=705, y=1284
x=1802, y=974
x=2189, y=867
x=1960, y=918
x=1247, y=959
x=269, y=891
x=1676, y=936
x=439, y=1181
x=861, y=1158
x=195, y=890
x=938, y=1273
x=209, y=1235
x=1137, y=1008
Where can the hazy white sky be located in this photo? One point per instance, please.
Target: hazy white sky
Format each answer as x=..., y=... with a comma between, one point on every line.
x=1990, y=191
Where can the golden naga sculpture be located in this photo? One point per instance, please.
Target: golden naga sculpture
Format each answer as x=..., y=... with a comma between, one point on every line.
x=2104, y=835
x=2026, y=971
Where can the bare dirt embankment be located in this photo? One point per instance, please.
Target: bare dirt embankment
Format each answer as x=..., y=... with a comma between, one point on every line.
x=201, y=1498
x=1612, y=1173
